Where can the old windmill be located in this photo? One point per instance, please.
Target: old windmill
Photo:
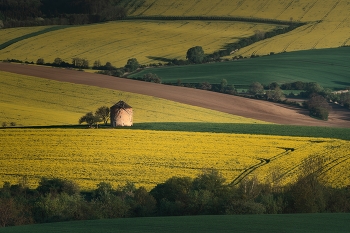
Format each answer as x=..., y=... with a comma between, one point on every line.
x=121, y=114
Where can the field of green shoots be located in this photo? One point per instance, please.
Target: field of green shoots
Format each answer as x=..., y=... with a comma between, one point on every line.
x=289, y=223
x=28, y=100
x=328, y=67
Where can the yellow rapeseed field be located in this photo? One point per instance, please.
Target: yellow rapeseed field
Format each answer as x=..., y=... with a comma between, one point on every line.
x=90, y=156
x=116, y=42
x=28, y=100
x=12, y=33
x=328, y=21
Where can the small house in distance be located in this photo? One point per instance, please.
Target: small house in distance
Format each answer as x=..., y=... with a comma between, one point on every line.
x=121, y=114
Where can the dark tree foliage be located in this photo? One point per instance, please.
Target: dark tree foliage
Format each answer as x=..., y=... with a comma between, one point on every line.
x=149, y=77
x=60, y=200
x=318, y=107
x=103, y=113
x=132, y=65
x=195, y=55
x=90, y=119
x=76, y=11
x=256, y=88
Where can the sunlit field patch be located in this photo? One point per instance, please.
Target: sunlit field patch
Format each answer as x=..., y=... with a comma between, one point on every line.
x=147, y=158
x=116, y=42
x=12, y=33
x=28, y=100
x=328, y=21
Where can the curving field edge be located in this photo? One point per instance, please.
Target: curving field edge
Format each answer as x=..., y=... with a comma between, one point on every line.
x=256, y=109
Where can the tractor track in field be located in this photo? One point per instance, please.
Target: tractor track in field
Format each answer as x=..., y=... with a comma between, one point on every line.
x=262, y=162
x=250, y=108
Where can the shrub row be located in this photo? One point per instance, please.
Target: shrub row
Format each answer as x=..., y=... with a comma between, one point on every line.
x=62, y=200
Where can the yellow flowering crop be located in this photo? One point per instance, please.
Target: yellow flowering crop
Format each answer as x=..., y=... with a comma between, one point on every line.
x=327, y=21
x=13, y=33
x=116, y=42
x=147, y=158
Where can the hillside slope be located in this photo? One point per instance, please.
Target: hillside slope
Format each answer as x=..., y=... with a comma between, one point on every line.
x=261, y=110
x=328, y=21
x=328, y=67
x=116, y=42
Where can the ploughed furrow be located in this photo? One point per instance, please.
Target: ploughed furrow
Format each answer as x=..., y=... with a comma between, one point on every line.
x=333, y=7
x=288, y=5
x=307, y=11
x=149, y=7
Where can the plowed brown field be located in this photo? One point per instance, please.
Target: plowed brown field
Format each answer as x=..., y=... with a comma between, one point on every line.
x=261, y=110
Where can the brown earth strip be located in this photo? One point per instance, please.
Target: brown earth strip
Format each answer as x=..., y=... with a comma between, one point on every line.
x=256, y=109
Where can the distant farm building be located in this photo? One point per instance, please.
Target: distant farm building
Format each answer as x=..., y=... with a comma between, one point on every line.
x=121, y=114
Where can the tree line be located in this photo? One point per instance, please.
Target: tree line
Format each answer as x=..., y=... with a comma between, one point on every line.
x=42, y=12
x=209, y=193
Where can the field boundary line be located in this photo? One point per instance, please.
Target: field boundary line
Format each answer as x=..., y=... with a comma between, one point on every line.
x=216, y=18
x=29, y=35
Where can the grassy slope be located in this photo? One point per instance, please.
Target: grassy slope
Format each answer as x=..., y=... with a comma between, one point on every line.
x=328, y=25
x=116, y=42
x=301, y=223
x=28, y=100
x=328, y=67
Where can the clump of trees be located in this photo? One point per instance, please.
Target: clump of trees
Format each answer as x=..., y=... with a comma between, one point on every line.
x=318, y=106
x=195, y=55
x=102, y=114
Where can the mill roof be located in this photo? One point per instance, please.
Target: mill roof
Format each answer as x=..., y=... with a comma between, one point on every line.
x=121, y=104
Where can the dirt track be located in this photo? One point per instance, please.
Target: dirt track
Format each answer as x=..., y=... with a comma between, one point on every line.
x=261, y=110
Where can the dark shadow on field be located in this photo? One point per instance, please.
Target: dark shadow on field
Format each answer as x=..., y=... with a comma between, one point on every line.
x=347, y=84
x=162, y=59
x=340, y=112
x=235, y=128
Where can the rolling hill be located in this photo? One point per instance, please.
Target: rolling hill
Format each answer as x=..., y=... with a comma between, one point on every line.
x=327, y=21
x=116, y=42
x=29, y=101
x=328, y=67
x=250, y=108
x=327, y=26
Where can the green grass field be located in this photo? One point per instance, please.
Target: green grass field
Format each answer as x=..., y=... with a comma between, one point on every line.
x=328, y=67
x=297, y=223
x=258, y=129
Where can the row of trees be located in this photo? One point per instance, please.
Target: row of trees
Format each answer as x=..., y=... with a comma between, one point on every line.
x=82, y=63
x=36, y=12
x=208, y=193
